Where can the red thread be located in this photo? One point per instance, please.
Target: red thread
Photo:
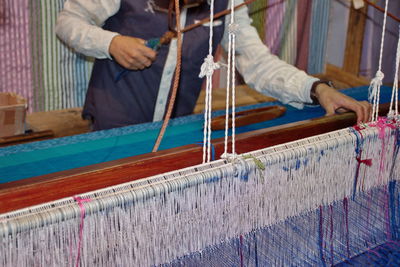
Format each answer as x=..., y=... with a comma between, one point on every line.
x=80, y=202
x=367, y=162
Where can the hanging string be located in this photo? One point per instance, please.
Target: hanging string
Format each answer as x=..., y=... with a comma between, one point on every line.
x=376, y=83
x=232, y=33
x=207, y=70
x=395, y=92
x=230, y=83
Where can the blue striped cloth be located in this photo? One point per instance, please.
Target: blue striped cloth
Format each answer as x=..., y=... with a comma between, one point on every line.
x=40, y=158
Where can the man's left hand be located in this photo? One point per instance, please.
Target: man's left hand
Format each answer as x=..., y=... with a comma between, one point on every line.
x=335, y=102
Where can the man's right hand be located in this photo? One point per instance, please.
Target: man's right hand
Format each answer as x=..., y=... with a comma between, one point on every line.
x=131, y=53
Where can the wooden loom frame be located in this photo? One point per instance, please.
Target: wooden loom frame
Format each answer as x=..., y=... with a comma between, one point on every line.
x=36, y=190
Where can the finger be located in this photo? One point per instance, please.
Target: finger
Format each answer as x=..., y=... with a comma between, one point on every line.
x=142, y=61
x=360, y=113
x=365, y=112
x=145, y=61
x=341, y=110
x=368, y=110
x=149, y=53
x=330, y=110
x=358, y=107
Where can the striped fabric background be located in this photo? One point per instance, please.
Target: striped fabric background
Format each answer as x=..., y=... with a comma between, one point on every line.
x=61, y=76
x=15, y=53
x=36, y=65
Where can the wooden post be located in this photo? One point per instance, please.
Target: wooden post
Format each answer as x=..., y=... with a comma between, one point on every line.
x=354, y=41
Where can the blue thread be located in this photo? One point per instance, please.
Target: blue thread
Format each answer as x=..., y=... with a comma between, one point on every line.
x=298, y=164
x=394, y=226
x=320, y=237
x=255, y=250
x=359, y=142
x=286, y=169
x=120, y=74
x=395, y=152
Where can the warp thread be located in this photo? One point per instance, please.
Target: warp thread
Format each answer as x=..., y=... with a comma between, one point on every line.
x=346, y=213
x=80, y=202
x=321, y=236
x=368, y=162
x=382, y=124
x=153, y=209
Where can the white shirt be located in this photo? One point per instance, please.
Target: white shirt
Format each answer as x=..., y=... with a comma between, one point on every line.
x=79, y=25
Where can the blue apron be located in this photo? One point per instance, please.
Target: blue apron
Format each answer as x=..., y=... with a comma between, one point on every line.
x=130, y=100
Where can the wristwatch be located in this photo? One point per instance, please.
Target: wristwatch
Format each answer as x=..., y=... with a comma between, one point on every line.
x=313, y=94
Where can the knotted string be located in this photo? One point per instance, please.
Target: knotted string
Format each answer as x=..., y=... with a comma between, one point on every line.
x=80, y=202
x=376, y=83
x=207, y=70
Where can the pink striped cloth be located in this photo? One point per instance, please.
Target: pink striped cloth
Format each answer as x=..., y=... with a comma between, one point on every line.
x=303, y=32
x=274, y=22
x=15, y=63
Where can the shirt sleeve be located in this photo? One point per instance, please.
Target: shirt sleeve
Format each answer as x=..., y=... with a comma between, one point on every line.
x=79, y=26
x=264, y=71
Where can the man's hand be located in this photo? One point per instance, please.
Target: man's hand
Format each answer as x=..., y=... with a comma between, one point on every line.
x=333, y=101
x=131, y=53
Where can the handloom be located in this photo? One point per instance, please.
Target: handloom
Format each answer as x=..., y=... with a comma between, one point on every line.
x=323, y=200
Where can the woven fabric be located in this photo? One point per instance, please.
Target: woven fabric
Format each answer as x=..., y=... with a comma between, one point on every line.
x=39, y=158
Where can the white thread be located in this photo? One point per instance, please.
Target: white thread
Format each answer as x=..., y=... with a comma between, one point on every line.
x=233, y=92
x=207, y=70
x=208, y=67
x=205, y=128
x=209, y=120
x=395, y=92
x=376, y=83
x=209, y=210
x=230, y=83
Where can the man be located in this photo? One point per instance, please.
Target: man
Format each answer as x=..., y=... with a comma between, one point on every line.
x=114, y=32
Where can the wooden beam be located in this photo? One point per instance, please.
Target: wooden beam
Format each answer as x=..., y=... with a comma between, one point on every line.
x=348, y=80
x=24, y=138
x=354, y=41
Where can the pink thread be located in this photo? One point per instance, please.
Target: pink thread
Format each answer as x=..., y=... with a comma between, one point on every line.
x=382, y=124
x=82, y=208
